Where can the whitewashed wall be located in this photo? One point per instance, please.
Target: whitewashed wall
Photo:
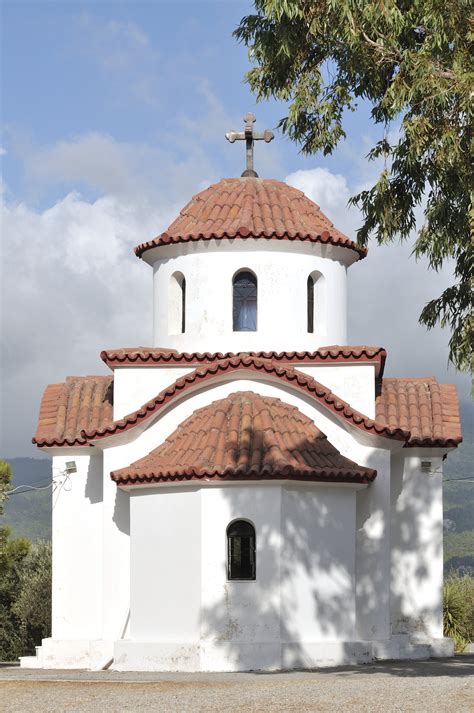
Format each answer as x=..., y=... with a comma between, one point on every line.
x=77, y=547
x=134, y=386
x=282, y=271
x=185, y=615
x=417, y=545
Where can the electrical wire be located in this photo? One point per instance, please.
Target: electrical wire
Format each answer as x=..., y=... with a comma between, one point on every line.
x=469, y=479
x=27, y=488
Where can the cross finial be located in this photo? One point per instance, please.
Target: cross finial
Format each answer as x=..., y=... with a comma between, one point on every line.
x=249, y=136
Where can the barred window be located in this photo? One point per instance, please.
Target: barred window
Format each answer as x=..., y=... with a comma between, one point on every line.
x=241, y=550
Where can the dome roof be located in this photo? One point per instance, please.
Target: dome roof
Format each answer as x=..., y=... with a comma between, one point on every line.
x=251, y=207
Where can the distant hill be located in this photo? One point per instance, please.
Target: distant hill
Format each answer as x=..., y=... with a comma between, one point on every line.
x=29, y=514
x=459, y=498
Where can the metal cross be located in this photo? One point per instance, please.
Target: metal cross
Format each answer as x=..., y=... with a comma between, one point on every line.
x=249, y=136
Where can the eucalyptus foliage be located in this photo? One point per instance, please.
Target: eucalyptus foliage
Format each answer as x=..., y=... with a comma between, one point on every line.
x=411, y=59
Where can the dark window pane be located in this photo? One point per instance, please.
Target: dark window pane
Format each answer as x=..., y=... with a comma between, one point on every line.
x=183, y=305
x=310, y=303
x=241, y=550
x=245, y=302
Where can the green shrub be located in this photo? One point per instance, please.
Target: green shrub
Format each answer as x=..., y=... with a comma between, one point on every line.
x=458, y=609
x=25, y=595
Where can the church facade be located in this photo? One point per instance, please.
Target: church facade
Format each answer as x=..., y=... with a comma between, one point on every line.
x=249, y=492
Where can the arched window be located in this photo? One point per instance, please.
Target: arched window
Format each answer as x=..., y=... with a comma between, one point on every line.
x=310, y=304
x=240, y=550
x=183, y=305
x=177, y=304
x=316, y=303
x=244, y=309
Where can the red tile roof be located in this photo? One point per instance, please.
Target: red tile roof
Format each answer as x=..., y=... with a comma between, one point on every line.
x=251, y=207
x=430, y=411
x=241, y=437
x=210, y=372
x=418, y=411
x=149, y=356
x=82, y=402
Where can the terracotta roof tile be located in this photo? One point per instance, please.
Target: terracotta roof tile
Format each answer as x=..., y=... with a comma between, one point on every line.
x=219, y=369
x=251, y=207
x=430, y=411
x=148, y=356
x=245, y=436
x=419, y=411
x=82, y=402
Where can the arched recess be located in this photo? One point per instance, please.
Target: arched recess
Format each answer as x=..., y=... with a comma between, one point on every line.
x=316, y=303
x=177, y=304
x=244, y=301
x=241, y=550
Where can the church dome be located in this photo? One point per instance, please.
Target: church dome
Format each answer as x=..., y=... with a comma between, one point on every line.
x=251, y=207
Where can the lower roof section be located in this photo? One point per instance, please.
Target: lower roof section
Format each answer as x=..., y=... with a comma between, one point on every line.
x=429, y=410
x=245, y=436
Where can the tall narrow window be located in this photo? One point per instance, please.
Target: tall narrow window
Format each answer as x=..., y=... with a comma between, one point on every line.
x=244, y=309
x=183, y=305
x=177, y=304
x=316, y=303
x=310, y=304
x=241, y=550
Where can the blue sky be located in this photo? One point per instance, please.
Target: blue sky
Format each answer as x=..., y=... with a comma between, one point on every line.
x=113, y=115
x=138, y=72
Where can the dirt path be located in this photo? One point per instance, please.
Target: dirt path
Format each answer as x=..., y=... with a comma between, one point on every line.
x=425, y=686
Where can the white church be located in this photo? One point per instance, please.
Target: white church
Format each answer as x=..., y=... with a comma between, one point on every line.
x=250, y=492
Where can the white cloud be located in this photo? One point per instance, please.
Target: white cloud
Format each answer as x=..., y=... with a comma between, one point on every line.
x=330, y=191
x=72, y=286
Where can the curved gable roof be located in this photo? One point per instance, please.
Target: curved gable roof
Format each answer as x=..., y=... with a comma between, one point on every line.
x=245, y=436
x=419, y=411
x=210, y=372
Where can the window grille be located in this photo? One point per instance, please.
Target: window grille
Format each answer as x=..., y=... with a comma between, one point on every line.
x=241, y=550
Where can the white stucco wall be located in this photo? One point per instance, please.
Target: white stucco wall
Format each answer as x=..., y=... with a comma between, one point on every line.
x=134, y=386
x=116, y=553
x=282, y=269
x=373, y=548
x=318, y=564
x=182, y=602
x=417, y=544
x=77, y=547
x=165, y=556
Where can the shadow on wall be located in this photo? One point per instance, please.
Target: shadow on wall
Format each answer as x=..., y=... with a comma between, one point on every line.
x=417, y=549
x=305, y=590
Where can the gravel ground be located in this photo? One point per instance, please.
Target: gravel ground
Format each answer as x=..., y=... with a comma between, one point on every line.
x=427, y=686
